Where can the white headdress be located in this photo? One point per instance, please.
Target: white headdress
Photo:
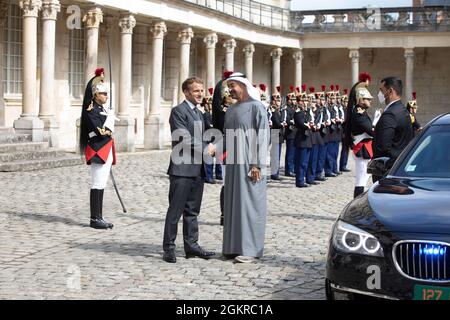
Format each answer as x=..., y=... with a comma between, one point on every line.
x=252, y=91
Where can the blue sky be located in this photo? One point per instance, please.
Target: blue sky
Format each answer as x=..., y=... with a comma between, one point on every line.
x=334, y=4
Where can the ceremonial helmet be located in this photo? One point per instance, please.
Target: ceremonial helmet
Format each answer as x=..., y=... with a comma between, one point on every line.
x=277, y=94
x=363, y=93
x=365, y=78
x=263, y=91
x=345, y=96
x=331, y=93
x=321, y=94
x=412, y=104
x=312, y=94
x=291, y=95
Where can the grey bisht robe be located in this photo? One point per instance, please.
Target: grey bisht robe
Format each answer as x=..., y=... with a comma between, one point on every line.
x=245, y=206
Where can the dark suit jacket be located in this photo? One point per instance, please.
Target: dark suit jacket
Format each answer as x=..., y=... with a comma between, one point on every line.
x=392, y=132
x=184, y=119
x=303, y=135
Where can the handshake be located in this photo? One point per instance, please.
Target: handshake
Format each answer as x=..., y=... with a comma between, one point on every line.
x=212, y=149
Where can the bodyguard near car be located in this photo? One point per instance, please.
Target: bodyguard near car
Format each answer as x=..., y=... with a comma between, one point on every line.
x=393, y=241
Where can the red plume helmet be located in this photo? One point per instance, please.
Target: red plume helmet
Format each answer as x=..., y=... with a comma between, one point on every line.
x=227, y=74
x=332, y=87
x=298, y=89
x=303, y=87
x=292, y=88
x=414, y=95
x=263, y=87
x=337, y=87
x=99, y=72
x=345, y=91
x=363, y=77
x=324, y=87
x=312, y=89
x=211, y=91
x=279, y=88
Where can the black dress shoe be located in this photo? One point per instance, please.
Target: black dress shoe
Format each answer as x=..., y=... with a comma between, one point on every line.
x=338, y=173
x=328, y=175
x=219, y=178
x=210, y=181
x=345, y=170
x=201, y=254
x=321, y=179
x=290, y=174
x=302, y=185
x=169, y=257
x=312, y=182
x=275, y=178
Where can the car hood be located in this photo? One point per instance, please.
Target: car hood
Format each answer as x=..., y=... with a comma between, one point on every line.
x=404, y=205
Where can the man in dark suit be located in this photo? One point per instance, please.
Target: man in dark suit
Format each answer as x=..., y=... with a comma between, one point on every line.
x=187, y=173
x=393, y=130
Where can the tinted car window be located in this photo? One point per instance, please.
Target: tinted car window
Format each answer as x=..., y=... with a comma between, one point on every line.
x=430, y=157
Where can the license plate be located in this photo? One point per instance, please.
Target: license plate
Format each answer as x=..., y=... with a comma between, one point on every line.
x=431, y=293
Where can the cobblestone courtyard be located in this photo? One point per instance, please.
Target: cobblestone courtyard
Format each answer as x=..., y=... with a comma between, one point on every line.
x=47, y=250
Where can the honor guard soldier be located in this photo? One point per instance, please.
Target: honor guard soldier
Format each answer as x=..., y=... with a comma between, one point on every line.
x=290, y=131
x=276, y=135
x=411, y=106
x=206, y=109
x=343, y=160
x=219, y=108
x=361, y=134
x=329, y=166
x=316, y=138
x=97, y=144
x=303, y=141
x=323, y=123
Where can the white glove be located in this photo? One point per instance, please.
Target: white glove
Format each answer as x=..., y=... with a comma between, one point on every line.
x=376, y=117
x=110, y=120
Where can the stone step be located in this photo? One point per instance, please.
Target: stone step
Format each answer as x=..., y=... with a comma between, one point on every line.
x=38, y=164
x=31, y=155
x=14, y=138
x=23, y=147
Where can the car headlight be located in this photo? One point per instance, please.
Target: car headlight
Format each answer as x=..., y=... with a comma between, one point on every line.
x=351, y=239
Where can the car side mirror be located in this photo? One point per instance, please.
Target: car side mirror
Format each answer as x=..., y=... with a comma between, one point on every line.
x=378, y=166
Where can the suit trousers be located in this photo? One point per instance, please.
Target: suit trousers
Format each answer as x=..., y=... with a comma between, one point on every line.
x=289, y=159
x=185, y=198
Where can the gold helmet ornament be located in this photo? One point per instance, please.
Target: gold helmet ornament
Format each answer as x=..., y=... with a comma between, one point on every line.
x=412, y=104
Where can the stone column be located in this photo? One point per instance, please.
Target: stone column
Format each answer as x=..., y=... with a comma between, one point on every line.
x=3, y=12
x=92, y=20
x=354, y=56
x=153, y=125
x=248, y=50
x=298, y=57
x=50, y=9
x=185, y=36
x=28, y=122
x=409, y=83
x=276, y=59
x=229, y=46
x=124, y=127
x=210, y=40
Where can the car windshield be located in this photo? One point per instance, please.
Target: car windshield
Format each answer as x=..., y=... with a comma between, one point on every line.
x=430, y=157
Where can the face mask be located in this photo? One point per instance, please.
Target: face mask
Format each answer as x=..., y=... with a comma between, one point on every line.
x=381, y=97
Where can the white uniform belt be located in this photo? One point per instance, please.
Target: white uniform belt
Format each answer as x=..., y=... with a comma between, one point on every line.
x=360, y=137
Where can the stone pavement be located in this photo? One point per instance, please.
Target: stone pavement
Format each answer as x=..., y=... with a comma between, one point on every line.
x=47, y=250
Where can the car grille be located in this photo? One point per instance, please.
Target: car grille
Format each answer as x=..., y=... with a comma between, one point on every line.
x=423, y=260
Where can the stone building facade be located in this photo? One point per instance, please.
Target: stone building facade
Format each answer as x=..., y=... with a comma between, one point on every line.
x=50, y=48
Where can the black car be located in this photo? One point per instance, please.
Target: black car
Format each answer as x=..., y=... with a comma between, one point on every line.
x=393, y=241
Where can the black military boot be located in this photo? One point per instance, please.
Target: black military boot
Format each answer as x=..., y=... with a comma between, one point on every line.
x=358, y=191
x=96, y=206
x=110, y=225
